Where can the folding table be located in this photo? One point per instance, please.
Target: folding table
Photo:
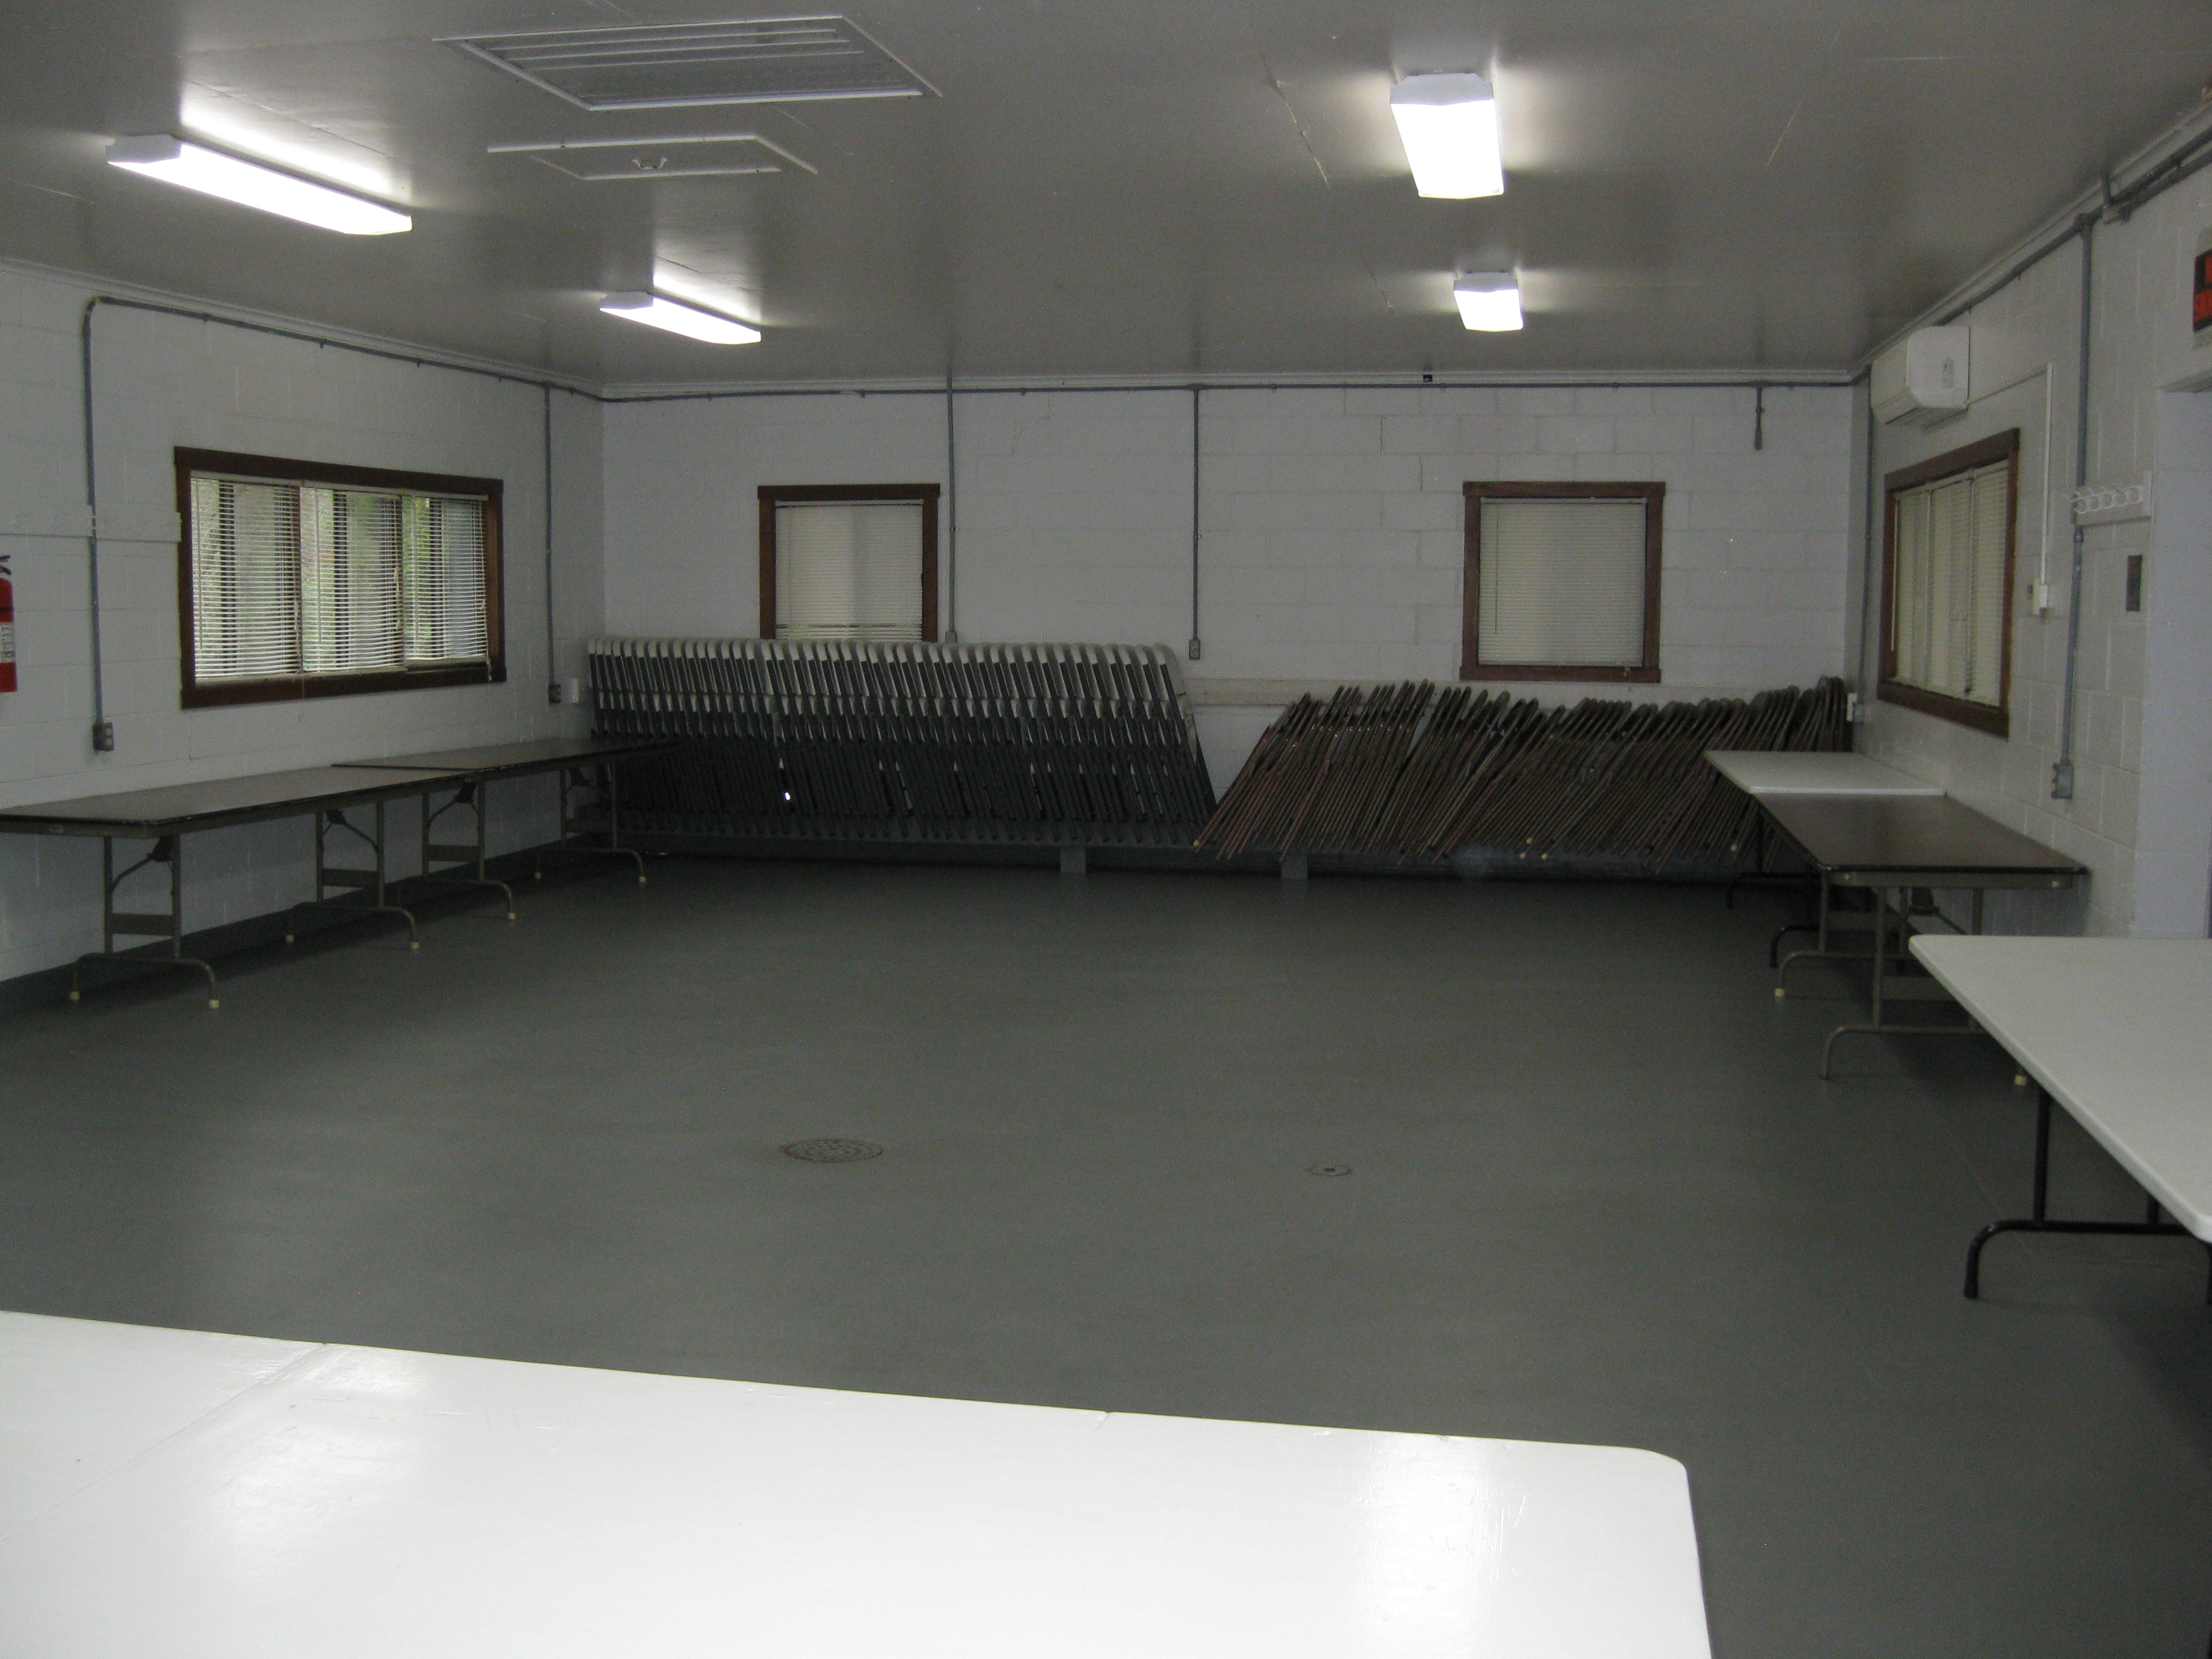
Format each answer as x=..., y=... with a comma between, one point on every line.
x=2119, y=1031
x=1888, y=844
x=589, y=801
x=165, y=816
x=205, y=1497
x=1818, y=772
x=1759, y=772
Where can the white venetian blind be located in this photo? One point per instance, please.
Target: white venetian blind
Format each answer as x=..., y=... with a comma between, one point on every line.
x=246, y=559
x=1562, y=583
x=348, y=580
x=1947, y=604
x=444, y=580
x=848, y=570
x=291, y=579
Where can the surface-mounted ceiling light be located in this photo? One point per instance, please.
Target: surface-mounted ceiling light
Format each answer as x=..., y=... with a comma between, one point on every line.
x=211, y=172
x=1489, y=299
x=1449, y=123
x=652, y=309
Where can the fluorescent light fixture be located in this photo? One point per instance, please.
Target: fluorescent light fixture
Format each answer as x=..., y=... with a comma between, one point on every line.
x=1449, y=123
x=211, y=172
x=1489, y=300
x=657, y=312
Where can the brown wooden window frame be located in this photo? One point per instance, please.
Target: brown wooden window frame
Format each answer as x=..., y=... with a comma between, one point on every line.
x=1475, y=493
x=774, y=496
x=1995, y=719
x=285, y=688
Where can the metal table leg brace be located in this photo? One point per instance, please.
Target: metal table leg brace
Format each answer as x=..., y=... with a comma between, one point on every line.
x=1889, y=986
x=372, y=881
x=598, y=813
x=1828, y=921
x=441, y=861
x=166, y=849
x=2038, y=1220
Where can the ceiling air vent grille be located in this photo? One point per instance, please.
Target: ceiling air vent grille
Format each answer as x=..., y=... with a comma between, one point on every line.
x=664, y=66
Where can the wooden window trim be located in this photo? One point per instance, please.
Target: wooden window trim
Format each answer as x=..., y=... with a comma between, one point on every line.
x=1472, y=667
x=1997, y=720
x=774, y=496
x=291, y=688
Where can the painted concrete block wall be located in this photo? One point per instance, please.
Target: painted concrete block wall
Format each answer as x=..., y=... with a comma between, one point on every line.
x=2025, y=347
x=1334, y=539
x=161, y=382
x=2171, y=736
x=1331, y=541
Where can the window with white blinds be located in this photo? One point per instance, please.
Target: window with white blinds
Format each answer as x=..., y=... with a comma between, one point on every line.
x=848, y=570
x=1559, y=582
x=295, y=580
x=1948, y=609
x=848, y=562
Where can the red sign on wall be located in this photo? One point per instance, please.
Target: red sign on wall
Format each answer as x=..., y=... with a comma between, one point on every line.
x=2200, y=313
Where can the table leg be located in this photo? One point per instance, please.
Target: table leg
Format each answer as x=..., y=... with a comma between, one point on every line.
x=2038, y=1221
x=1818, y=925
x=577, y=823
x=1889, y=987
x=166, y=850
x=371, y=881
x=1827, y=922
x=467, y=855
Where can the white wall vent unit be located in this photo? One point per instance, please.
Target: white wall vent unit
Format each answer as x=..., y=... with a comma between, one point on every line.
x=1923, y=379
x=676, y=65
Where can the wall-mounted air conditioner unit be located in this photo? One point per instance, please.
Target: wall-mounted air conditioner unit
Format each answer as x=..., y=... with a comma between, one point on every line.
x=1923, y=379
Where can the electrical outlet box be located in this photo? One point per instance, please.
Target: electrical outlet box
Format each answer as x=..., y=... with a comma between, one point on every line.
x=2039, y=599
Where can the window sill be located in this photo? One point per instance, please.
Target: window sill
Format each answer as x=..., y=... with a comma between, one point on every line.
x=294, y=688
x=1997, y=722
x=1536, y=673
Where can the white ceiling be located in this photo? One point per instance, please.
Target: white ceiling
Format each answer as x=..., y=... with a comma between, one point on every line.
x=1114, y=187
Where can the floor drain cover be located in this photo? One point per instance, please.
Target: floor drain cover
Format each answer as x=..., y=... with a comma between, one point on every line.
x=1328, y=1169
x=833, y=1150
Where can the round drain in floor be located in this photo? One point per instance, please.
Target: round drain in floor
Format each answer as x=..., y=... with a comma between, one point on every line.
x=1328, y=1169
x=832, y=1150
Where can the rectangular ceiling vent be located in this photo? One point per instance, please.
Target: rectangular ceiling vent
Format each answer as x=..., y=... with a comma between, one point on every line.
x=673, y=65
x=696, y=157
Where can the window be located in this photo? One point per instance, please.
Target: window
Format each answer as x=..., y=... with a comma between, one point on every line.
x=1947, y=584
x=848, y=562
x=1562, y=581
x=300, y=579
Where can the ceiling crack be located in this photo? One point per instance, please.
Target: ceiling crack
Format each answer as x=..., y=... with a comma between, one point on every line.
x=1328, y=183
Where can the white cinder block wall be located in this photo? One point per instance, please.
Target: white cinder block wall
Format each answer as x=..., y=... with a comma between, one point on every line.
x=2141, y=817
x=1331, y=550
x=164, y=382
x=1331, y=545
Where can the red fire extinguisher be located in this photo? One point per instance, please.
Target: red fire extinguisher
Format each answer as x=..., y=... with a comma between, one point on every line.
x=7, y=628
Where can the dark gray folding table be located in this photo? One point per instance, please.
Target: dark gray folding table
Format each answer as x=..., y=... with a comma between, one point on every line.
x=165, y=816
x=1899, y=844
x=585, y=766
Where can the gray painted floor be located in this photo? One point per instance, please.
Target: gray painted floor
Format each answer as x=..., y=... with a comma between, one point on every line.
x=1598, y=1195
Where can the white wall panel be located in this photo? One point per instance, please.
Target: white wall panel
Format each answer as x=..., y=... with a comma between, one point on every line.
x=164, y=382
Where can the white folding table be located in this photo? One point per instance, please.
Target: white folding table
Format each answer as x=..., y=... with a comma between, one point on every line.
x=205, y=1497
x=1763, y=772
x=1799, y=772
x=2119, y=1031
